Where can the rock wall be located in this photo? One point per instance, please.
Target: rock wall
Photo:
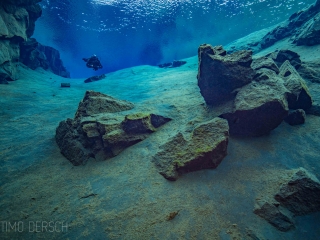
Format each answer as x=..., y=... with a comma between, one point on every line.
x=17, y=24
x=17, y=21
x=302, y=28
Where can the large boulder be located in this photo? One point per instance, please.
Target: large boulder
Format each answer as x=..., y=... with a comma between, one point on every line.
x=259, y=107
x=103, y=127
x=299, y=96
x=220, y=74
x=34, y=55
x=302, y=27
x=204, y=148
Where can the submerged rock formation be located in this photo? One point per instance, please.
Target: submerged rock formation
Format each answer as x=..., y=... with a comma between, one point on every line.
x=299, y=195
x=262, y=94
x=17, y=24
x=302, y=28
x=34, y=54
x=103, y=127
x=204, y=148
x=17, y=19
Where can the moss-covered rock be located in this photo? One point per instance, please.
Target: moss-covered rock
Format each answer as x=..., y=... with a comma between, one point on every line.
x=204, y=148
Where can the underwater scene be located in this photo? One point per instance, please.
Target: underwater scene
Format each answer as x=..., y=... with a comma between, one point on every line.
x=160, y=119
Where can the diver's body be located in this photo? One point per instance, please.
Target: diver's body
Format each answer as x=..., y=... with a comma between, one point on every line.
x=93, y=62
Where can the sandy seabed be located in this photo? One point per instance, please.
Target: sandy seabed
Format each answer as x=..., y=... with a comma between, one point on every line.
x=125, y=197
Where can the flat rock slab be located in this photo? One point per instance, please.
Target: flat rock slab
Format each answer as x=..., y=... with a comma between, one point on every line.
x=204, y=148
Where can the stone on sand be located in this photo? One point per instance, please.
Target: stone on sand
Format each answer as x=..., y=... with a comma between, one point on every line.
x=102, y=128
x=299, y=96
x=296, y=117
x=220, y=74
x=204, y=148
x=259, y=107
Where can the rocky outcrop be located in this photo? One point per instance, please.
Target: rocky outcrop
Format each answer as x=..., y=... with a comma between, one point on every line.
x=103, y=127
x=220, y=74
x=17, y=19
x=302, y=28
x=34, y=55
x=299, y=195
x=261, y=93
x=17, y=24
x=204, y=148
x=310, y=33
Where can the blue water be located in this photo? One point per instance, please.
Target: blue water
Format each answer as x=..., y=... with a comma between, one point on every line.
x=125, y=33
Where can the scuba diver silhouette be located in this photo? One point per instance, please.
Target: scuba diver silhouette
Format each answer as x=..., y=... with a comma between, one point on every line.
x=93, y=62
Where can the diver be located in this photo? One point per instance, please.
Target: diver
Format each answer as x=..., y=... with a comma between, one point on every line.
x=93, y=62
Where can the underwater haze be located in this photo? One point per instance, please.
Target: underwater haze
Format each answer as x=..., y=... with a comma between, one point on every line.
x=125, y=33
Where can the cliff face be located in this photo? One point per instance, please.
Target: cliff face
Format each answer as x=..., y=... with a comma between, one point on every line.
x=17, y=24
